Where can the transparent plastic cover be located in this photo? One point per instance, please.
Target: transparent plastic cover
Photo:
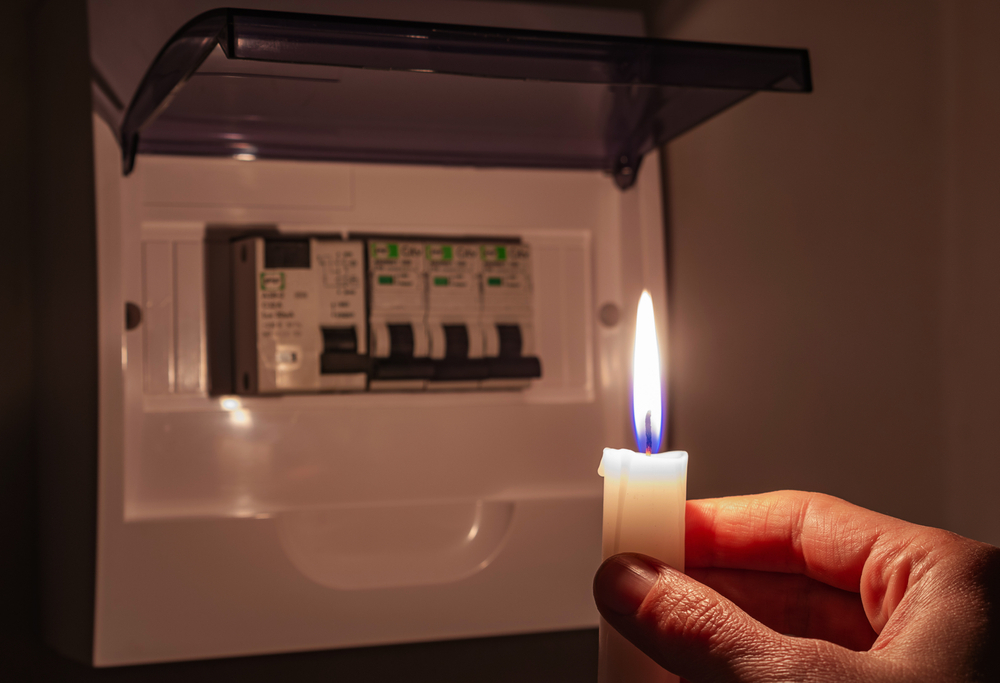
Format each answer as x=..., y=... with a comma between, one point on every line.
x=257, y=84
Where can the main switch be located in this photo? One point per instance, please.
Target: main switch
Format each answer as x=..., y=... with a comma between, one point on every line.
x=299, y=321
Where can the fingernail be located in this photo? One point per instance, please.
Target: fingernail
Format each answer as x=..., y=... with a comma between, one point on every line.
x=623, y=582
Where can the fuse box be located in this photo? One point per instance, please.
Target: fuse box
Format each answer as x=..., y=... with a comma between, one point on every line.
x=313, y=314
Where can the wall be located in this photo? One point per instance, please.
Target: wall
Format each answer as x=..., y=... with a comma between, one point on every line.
x=807, y=268
x=17, y=498
x=836, y=292
x=971, y=250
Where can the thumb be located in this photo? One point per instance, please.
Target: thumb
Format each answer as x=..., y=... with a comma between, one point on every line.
x=691, y=630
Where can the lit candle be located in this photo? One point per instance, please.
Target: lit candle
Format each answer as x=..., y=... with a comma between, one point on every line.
x=644, y=496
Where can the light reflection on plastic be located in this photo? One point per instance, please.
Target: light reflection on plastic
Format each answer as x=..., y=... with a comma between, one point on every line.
x=237, y=414
x=243, y=151
x=476, y=523
x=240, y=417
x=646, y=396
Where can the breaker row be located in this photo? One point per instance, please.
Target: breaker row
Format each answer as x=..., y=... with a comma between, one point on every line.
x=321, y=314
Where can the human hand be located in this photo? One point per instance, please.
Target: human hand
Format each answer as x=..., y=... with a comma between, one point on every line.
x=862, y=596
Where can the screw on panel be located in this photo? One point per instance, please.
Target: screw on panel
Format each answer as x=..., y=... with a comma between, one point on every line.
x=625, y=170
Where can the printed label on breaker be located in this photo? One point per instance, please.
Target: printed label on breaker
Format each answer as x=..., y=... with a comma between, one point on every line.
x=341, y=271
x=455, y=267
x=506, y=267
x=283, y=305
x=342, y=295
x=397, y=274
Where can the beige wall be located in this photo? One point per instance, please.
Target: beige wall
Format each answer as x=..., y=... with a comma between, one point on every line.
x=971, y=292
x=808, y=347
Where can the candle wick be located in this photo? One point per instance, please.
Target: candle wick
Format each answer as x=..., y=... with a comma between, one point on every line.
x=649, y=432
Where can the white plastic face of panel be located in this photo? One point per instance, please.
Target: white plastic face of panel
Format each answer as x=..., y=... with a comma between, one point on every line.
x=334, y=487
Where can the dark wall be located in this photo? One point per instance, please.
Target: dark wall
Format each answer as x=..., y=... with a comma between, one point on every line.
x=18, y=622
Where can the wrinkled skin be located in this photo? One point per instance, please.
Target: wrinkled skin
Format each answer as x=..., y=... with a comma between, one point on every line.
x=793, y=586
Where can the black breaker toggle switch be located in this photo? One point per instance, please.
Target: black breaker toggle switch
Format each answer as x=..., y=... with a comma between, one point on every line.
x=340, y=352
x=401, y=363
x=456, y=364
x=510, y=364
x=401, y=341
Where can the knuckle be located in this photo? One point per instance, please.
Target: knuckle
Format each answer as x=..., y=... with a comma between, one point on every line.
x=692, y=616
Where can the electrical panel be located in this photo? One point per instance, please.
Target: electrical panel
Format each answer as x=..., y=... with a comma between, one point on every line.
x=381, y=314
x=328, y=251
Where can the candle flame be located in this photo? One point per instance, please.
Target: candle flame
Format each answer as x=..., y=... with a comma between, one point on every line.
x=647, y=403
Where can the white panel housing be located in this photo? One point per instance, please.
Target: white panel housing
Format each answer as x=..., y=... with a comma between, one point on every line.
x=234, y=525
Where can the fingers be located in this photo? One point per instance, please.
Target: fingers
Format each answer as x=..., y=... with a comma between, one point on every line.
x=794, y=605
x=822, y=537
x=698, y=634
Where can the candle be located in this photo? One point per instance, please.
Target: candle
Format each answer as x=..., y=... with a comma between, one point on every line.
x=644, y=495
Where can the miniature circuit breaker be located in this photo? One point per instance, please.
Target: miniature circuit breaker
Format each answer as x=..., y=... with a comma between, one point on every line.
x=299, y=321
x=454, y=308
x=399, y=339
x=507, y=316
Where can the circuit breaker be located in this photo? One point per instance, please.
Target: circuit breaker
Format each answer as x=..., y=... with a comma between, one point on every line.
x=454, y=314
x=507, y=317
x=400, y=345
x=299, y=317
x=381, y=314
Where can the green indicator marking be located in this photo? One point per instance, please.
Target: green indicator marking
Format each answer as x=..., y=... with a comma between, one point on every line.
x=501, y=253
x=440, y=281
x=393, y=250
x=494, y=282
x=385, y=279
x=272, y=281
x=446, y=253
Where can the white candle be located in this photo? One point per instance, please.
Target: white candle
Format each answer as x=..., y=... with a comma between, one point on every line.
x=643, y=513
x=644, y=496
